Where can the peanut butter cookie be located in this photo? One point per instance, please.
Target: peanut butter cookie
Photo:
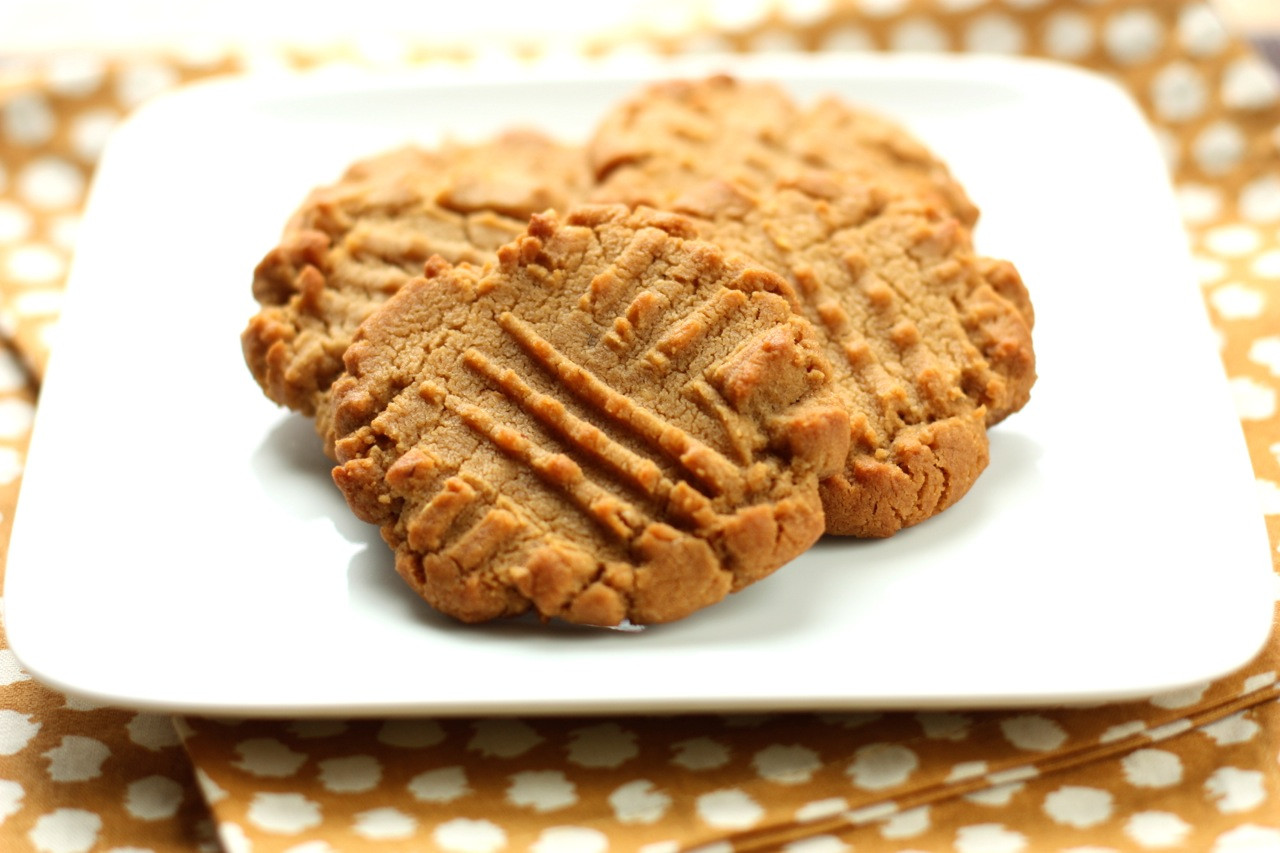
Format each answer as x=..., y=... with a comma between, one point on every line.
x=614, y=421
x=354, y=243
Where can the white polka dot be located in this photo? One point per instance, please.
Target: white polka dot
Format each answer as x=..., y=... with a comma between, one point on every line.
x=11, y=796
x=700, y=754
x=38, y=303
x=639, y=802
x=606, y=745
x=75, y=74
x=661, y=847
x=989, y=838
x=817, y=844
x=1237, y=728
x=571, y=839
x=1180, y=698
x=62, y=230
x=1200, y=31
x=906, y=824
x=821, y=809
x=15, y=222
x=729, y=809
x=944, y=726
x=89, y=132
x=384, y=824
x=350, y=774
x=1232, y=240
x=412, y=734
x=1208, y=269
x=469, y=836
x=967, y=770
x=440, y=786
x=11, y=672
x=287, y=814
x=786, y=765
x=15, y=418
x=16, y=731
x=882, y=765
x=1269, y=497
x=1199, y=203
x=542, y=790
x=209, y=789
x=268, y=757
x=13, y=376
x=153, y=798
x=1233, y=790
x=66, y=831
x=1156, y=829
x=994, y=33
x=1249, y=84
x=847, y=38
x=77, y=758
x=35, y=264
x=1169, y=730
x=1179, y=92
x=997, y=795
x=1078, y=806
x=503, y=738
x=1266, y=351
x=735, y=14
x=918, y=34
x=1068, y=35
x=1033, y=732
x=27, y=120
x=1219, y=148
x=79, y=703
x=50, y=183
x=152, y=731
x=1237, y=302
x=1258, y=681
x=1152, y=768
x=1259, y=200
x=1248, y=839
x=142, y=80
x=1254, y=401
x=1133, y=36
x=805, y=12
x=882, y=8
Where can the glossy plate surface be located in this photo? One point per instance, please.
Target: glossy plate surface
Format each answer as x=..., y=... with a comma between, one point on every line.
x=179, y=544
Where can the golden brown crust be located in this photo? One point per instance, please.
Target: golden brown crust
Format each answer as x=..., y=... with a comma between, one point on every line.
x=354, y=243
x=671, y=136
x=930, y=342
x=614, y=421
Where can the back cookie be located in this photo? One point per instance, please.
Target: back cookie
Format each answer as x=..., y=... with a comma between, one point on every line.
x=353, y=244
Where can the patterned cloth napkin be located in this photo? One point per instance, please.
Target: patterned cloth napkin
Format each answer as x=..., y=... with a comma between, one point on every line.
x=1198, y=769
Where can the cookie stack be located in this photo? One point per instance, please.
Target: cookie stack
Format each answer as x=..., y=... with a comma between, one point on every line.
x=618, y=382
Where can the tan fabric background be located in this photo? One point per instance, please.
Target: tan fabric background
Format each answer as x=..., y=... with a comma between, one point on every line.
x=1197, y=770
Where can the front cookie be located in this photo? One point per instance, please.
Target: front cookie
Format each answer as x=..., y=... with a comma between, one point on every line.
x=614, y=422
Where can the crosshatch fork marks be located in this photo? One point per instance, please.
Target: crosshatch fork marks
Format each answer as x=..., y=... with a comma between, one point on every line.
x=638, y=471
x=705, y=464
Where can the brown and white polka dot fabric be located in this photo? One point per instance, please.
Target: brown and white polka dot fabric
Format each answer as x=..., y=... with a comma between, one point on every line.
x=1195, y=770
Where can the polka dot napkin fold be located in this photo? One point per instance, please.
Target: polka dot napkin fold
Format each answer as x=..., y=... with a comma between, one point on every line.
x=1195, y=770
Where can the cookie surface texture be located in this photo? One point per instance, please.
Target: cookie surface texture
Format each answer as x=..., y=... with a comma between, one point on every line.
x=614, y=421
x=931, y=342
x=670, y=136
x=354, y=243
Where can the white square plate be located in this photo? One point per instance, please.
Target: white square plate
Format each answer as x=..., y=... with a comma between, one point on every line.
x=179, y=545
